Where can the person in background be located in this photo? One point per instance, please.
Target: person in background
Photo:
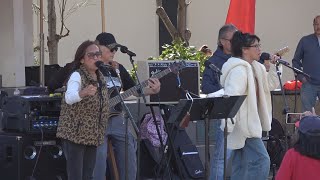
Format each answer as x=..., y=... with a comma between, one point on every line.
x=210, y=84
x=205, y=49
x=303, y=160
x=116, y=126
x=307, y=58
x=60, y=78
x=250, y=158
x=84, y=112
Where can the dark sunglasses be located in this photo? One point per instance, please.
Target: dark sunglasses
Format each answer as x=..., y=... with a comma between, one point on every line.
x=91, y=55
x=114, y=49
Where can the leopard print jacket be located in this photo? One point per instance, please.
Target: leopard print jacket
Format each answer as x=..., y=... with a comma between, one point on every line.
x=85, y=122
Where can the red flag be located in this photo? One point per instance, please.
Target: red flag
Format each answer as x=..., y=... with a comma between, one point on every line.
x=241, y=13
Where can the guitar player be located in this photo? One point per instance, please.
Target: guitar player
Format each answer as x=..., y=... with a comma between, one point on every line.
x=116, y=123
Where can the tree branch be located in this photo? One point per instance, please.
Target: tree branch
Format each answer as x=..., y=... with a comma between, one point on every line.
x=182, y=20
x=166, y=21
x=36, y=10
x=159, y=3
x=66, y=34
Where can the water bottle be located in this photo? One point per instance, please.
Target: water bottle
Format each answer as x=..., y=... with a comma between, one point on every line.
x=16, y=92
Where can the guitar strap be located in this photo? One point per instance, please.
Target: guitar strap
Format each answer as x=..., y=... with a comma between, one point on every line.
x=119, y=76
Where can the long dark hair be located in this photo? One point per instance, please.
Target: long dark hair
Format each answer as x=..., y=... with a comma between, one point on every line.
x=81, y=52
x=241, y=40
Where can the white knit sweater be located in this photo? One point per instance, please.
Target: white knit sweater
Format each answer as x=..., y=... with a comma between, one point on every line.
x=238, y=79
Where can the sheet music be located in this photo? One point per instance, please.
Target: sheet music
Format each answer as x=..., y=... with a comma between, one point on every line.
x=219, y=93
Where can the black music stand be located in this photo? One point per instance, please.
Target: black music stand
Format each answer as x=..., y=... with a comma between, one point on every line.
x=214, y=108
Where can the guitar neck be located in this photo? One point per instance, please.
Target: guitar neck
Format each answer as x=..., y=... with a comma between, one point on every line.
x=115, y=100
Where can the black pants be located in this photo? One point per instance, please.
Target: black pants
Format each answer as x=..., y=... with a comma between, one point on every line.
x=81, y=160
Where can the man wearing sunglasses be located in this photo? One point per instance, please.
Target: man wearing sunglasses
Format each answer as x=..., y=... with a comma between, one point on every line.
x=116, y=123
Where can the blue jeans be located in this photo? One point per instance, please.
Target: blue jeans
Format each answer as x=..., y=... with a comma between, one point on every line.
x=116, y=131
x=251, y=162
x=217, y=160
x=309, y=93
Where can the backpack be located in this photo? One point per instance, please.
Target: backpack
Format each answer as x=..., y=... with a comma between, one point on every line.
x=149, y=131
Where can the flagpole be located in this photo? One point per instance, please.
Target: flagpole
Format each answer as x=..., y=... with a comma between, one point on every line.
x=42, y=83
x=103, y=18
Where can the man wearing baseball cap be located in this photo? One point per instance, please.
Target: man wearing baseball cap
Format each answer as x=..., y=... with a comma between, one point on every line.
x=116, y=126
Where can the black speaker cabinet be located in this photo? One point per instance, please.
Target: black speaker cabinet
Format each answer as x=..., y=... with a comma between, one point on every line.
x=33, y=74
x=170, y=93
x=25, y=157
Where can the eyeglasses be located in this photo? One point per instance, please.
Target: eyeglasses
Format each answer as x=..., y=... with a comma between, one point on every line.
x=256, y=46
x=91, y=55
x=114, y=49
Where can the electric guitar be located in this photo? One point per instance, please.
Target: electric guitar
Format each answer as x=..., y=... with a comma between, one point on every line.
x=282, y=51
x=114, y=101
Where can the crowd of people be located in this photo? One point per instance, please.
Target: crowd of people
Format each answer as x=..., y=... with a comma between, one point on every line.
x=87, y=122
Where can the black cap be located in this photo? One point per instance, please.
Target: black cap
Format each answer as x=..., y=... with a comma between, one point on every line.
x=107, y=39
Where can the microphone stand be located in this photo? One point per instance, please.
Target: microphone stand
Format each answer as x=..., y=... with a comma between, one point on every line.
x=142, y=94
x=286, y=107
x=129, y=116
x=225, y=136
x=295, y=92
x=296, y=72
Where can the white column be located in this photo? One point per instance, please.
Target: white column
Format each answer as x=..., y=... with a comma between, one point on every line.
x=15, y=41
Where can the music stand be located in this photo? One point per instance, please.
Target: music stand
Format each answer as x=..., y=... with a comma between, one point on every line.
x=214, y=108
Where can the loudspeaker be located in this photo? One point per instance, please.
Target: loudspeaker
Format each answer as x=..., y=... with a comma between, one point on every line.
x=33, y=74
x=28, y=157
x=171, y=93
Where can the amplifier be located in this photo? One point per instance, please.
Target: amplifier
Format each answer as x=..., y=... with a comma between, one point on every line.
x=31, y=114
x=188, y=78
x=26, y=156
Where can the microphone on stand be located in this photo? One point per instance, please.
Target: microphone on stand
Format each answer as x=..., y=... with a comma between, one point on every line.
x=103, y=69
x=125, y=50
x=266, y=56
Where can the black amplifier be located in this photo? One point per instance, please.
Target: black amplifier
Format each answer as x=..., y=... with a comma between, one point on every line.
x=31, y=114
x=188, y=78
x=28, y=156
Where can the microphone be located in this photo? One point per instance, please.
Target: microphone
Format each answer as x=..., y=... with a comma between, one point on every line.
x=266, y=56
x=281, y=61
x=213, y=67
x=124, y=49
x=103, y=69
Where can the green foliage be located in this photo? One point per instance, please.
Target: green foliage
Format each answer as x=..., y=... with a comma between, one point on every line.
x=179, y=51
x=132, y=74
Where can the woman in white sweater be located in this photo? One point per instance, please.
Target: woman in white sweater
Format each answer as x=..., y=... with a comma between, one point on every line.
x=243, y=75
